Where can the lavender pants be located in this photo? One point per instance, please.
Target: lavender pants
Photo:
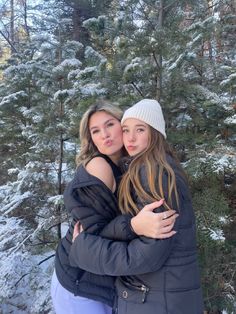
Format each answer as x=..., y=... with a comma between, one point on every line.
x=64, y=302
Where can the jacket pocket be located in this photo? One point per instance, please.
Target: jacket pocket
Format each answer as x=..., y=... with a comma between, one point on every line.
x=130, y=292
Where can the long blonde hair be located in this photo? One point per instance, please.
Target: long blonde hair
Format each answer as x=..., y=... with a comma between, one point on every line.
x=153, y=161
x=87, y=149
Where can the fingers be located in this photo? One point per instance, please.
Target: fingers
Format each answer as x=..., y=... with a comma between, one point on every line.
x=164, y=227
x=167, y=235
x=163, y=233
x=152, y=206
x=76, y=230
x=168, y=213
x=164, y=215
x=168, y=228
x=77, y=226
x=81, y=229
x=170, y=218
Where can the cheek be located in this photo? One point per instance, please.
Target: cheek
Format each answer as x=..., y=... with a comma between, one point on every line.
x=124, y=138
x=146, y=141
x=119, y=134
x=95, y=140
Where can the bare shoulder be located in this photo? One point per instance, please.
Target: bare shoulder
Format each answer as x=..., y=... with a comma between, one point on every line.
x=100, y=168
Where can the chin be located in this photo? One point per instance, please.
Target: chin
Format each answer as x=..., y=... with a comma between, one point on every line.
x=132, y=154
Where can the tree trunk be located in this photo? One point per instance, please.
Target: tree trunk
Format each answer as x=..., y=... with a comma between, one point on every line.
x=159, y=56
x=81, y=12
x=26, y=27
x=12, y=34
x=61, y=152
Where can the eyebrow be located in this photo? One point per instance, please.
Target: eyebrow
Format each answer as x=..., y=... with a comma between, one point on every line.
x=136, y=125
x=107, y=121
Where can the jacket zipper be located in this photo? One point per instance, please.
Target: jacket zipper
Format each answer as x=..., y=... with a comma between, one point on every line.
x=142, y=288
x=145, y=291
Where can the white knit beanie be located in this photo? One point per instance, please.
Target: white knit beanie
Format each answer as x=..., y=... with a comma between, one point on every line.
x=148, y=111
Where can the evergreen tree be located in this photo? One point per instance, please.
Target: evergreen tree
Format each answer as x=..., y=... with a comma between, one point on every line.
x=36, y=111
x=181, y=53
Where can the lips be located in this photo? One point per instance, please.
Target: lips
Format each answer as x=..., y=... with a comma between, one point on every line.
x=108, y=143
x=131, y=148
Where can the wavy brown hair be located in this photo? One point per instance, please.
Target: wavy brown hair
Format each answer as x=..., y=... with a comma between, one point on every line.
x=153, y=161
x=87, y=148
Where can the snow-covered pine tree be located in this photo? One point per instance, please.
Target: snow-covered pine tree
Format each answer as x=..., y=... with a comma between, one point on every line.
x=178, y=52
x=173, y=51
x=36, y=111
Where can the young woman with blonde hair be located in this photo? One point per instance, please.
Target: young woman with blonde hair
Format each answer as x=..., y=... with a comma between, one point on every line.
x=155, y=276
x=91, y=198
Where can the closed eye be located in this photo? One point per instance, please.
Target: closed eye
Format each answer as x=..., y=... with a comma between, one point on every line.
x=110, y=124
x=94, y=131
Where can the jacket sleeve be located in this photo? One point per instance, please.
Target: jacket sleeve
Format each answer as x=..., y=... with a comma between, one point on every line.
x=116, y=258
x=119, y=229
x=98, y=213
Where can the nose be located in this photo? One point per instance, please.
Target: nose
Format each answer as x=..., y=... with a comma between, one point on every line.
x=131, y=137
x=104, y=133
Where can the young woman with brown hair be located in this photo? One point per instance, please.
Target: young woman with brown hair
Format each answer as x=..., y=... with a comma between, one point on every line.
x=91, y=198
x=155, y=276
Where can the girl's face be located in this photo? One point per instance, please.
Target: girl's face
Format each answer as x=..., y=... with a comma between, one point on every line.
x=106, y=134
x=136, y=136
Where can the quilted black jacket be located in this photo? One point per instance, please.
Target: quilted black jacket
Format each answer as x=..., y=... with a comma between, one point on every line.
x=156, y=276
x=90, y=201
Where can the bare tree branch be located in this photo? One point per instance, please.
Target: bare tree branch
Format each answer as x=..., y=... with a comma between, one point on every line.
x=137, y=89
x=47, y=258
x=9, y=42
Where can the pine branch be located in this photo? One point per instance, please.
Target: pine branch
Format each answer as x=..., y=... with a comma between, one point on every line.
x=19, y=280
x=137, y=89
x=47, y=258
x=23, y=276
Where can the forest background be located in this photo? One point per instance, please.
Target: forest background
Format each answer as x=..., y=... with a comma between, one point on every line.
x=56, y=58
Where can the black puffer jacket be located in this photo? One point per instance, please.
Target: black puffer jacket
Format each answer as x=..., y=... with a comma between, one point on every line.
x=91, y=202
x=159, y=276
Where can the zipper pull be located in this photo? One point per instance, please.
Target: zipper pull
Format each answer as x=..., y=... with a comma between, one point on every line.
x=145, y=291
